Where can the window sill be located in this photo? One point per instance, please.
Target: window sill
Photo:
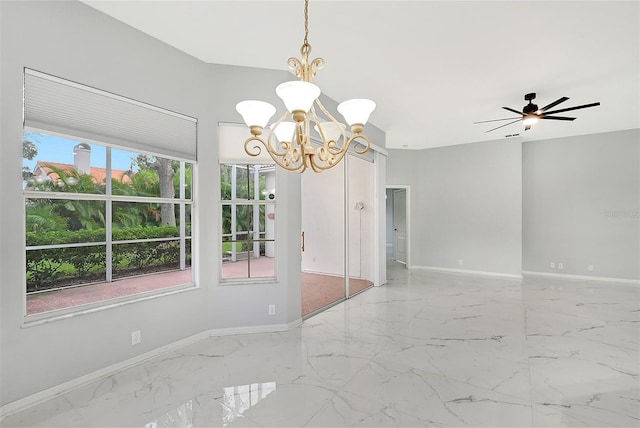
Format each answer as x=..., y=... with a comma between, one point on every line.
x=71, y=312
x=248, y=281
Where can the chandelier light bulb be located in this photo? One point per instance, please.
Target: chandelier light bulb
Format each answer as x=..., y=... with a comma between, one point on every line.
x=356, y=111
x=255, y=113
x=284, y=131
x=332, y=131
x=298, y=95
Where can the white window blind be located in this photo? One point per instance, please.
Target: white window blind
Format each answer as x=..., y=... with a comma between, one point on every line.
x=232, y=137
x=57, y=105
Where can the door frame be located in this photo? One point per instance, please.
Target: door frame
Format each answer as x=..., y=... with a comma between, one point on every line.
x=407, y=188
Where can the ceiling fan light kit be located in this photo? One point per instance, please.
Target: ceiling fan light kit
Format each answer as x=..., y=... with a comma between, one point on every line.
x=530, y=113
x=292, y=148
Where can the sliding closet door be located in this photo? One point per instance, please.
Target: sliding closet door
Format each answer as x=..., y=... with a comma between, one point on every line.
x=361, y=209
x=323, y=254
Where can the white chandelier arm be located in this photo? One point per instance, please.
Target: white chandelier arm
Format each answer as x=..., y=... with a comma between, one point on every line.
x=345, y=146
x=324, y=154
x=256, y=149
x=290, y=160
x=285, y=145
x=359, y=137
x=336, y=148
x=337, y=157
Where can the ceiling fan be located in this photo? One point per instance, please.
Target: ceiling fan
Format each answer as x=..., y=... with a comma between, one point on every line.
x=531, y=114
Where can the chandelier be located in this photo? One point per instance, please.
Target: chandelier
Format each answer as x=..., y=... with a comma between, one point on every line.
x=289, y=140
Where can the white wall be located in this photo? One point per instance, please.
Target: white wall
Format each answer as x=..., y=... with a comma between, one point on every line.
x=581, y=203
x=379, y=216
x=466, y=203
x=75, y=42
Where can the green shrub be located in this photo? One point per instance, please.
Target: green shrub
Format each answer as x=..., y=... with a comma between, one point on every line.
x=53, y=267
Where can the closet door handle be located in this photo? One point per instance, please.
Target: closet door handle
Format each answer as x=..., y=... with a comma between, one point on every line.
x=303, y=242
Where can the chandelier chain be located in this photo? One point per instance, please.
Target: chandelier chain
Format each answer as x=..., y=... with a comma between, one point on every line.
x=306, y=23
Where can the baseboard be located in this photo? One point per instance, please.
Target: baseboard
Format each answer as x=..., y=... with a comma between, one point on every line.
x=336, y=275
x=272, y=328
x=583, y=277
x=39, y=397
x=468, y=272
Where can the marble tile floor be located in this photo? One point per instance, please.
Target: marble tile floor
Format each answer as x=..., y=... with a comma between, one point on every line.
x=428, y=349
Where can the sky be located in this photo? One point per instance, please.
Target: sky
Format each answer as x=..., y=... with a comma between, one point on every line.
x=57, y=149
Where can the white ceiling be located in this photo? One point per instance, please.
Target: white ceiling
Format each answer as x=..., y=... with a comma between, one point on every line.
x=433, y=67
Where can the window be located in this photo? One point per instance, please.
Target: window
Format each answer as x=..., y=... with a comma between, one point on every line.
x=85, y=229
x=107, y=193
x=248, y=221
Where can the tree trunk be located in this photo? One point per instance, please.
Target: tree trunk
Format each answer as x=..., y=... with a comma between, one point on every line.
x=165, y=177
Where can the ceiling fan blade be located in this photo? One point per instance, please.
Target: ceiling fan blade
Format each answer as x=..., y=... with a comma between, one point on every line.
x=502, y=126
x=553, y=104
x=513, y=111
x=527, y=127
x=497, y=120
x=573, y=108
x=557, y=117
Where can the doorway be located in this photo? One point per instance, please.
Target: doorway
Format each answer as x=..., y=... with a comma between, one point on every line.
x=398, y=223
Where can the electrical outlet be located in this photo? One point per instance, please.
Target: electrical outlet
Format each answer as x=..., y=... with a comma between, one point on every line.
x=136, y=337
x=272, y=309
x=560, y=266
x=460, y=262
x=552, y=265
x=590, y=268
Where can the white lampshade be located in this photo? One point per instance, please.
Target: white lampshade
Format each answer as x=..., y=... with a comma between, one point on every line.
x=284, y=131
x=356, y=110
x=530, y=120
x=332, y=131
x=298, y=94
x=255, y=113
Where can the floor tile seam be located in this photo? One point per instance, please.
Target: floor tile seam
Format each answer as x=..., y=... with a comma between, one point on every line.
x=437, y=373
x=336, y=393
x=527, y=351
x=406, y=369
x=562, y=340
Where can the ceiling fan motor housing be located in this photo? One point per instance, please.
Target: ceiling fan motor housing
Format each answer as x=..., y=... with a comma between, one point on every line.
x=530, y=108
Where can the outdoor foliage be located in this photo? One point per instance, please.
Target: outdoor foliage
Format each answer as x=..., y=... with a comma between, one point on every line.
x=244, y=190
x=44, y=214
x=53, y=267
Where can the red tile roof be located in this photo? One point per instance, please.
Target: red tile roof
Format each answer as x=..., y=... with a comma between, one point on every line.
x=98, y=174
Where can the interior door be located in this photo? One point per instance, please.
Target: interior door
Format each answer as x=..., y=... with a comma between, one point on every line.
x=400, y=225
